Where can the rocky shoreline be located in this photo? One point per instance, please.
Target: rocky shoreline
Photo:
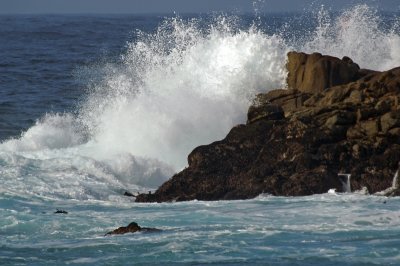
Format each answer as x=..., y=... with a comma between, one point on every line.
x=334, y=118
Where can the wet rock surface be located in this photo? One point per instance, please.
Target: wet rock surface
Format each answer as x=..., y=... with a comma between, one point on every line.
x=296, y=141
x=58, y=211
x=132, y=228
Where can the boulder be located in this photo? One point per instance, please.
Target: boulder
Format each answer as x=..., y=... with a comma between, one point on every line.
x=390, y=120
x=132, y=228
x=313, y=73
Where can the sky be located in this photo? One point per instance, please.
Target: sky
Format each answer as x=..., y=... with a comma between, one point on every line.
x=178, y=6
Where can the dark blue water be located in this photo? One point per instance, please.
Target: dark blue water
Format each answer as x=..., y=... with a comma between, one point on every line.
x=40, y=54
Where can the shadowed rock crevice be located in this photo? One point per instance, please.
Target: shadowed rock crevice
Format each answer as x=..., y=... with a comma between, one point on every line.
x=334, y=118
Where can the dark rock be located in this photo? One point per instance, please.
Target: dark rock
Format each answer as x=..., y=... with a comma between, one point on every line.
x=129, y=194
x=132, y=228
x=264, y=111
x=390, y=120
x=295, y=142
x=288, y=100
x=61, y=211
x=366, y=72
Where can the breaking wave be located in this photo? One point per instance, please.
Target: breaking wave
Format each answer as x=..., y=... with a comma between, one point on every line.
x=183, y=86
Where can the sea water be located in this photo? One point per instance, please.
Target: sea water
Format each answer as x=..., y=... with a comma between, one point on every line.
x=323, y=229
x=93, y=106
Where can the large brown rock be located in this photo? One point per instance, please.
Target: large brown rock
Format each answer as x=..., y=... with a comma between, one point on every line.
x=296, y=143
x=315, y=72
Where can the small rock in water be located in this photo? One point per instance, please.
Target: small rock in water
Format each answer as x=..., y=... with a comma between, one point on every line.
x=128, y=194
x=132, y=228
x=61, y=211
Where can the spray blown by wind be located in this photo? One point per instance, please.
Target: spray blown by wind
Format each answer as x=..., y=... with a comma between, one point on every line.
x=358, y=33
x=183, y=86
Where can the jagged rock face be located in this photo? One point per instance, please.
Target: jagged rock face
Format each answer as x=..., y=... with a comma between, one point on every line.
x=315, y=72
x=295, y=143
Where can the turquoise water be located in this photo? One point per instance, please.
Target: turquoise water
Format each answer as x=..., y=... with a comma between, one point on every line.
x=328, y=229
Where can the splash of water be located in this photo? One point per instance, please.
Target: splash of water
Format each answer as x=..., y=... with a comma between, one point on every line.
x=180, y=88
x=173, y=90
x=358, y=33
x=183, y=86
x=346, y=182
x=395, y=183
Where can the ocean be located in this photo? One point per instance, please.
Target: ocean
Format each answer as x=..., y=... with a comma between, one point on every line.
x=92, y=106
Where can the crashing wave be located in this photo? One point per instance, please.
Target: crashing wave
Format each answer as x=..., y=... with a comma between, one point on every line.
x=183, y=86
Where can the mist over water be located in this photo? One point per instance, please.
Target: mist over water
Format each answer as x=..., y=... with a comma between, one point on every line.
x=359, y=33
x=182, y=86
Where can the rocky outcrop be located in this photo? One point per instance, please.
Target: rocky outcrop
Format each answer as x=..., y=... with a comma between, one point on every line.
x=132, y=228
x=314, y=72
x=297, y=141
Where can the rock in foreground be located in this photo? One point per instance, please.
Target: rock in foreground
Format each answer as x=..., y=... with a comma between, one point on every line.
x=296, y=141
x=132, y=228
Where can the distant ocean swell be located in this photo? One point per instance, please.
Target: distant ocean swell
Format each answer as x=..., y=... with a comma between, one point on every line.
x=183, y=86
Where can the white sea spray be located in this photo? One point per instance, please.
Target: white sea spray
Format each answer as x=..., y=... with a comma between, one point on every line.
x=182, y=86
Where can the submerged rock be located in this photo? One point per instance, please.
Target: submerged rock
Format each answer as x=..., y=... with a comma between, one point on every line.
x=60, y=212
x=132, y=228
x=337, y=119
